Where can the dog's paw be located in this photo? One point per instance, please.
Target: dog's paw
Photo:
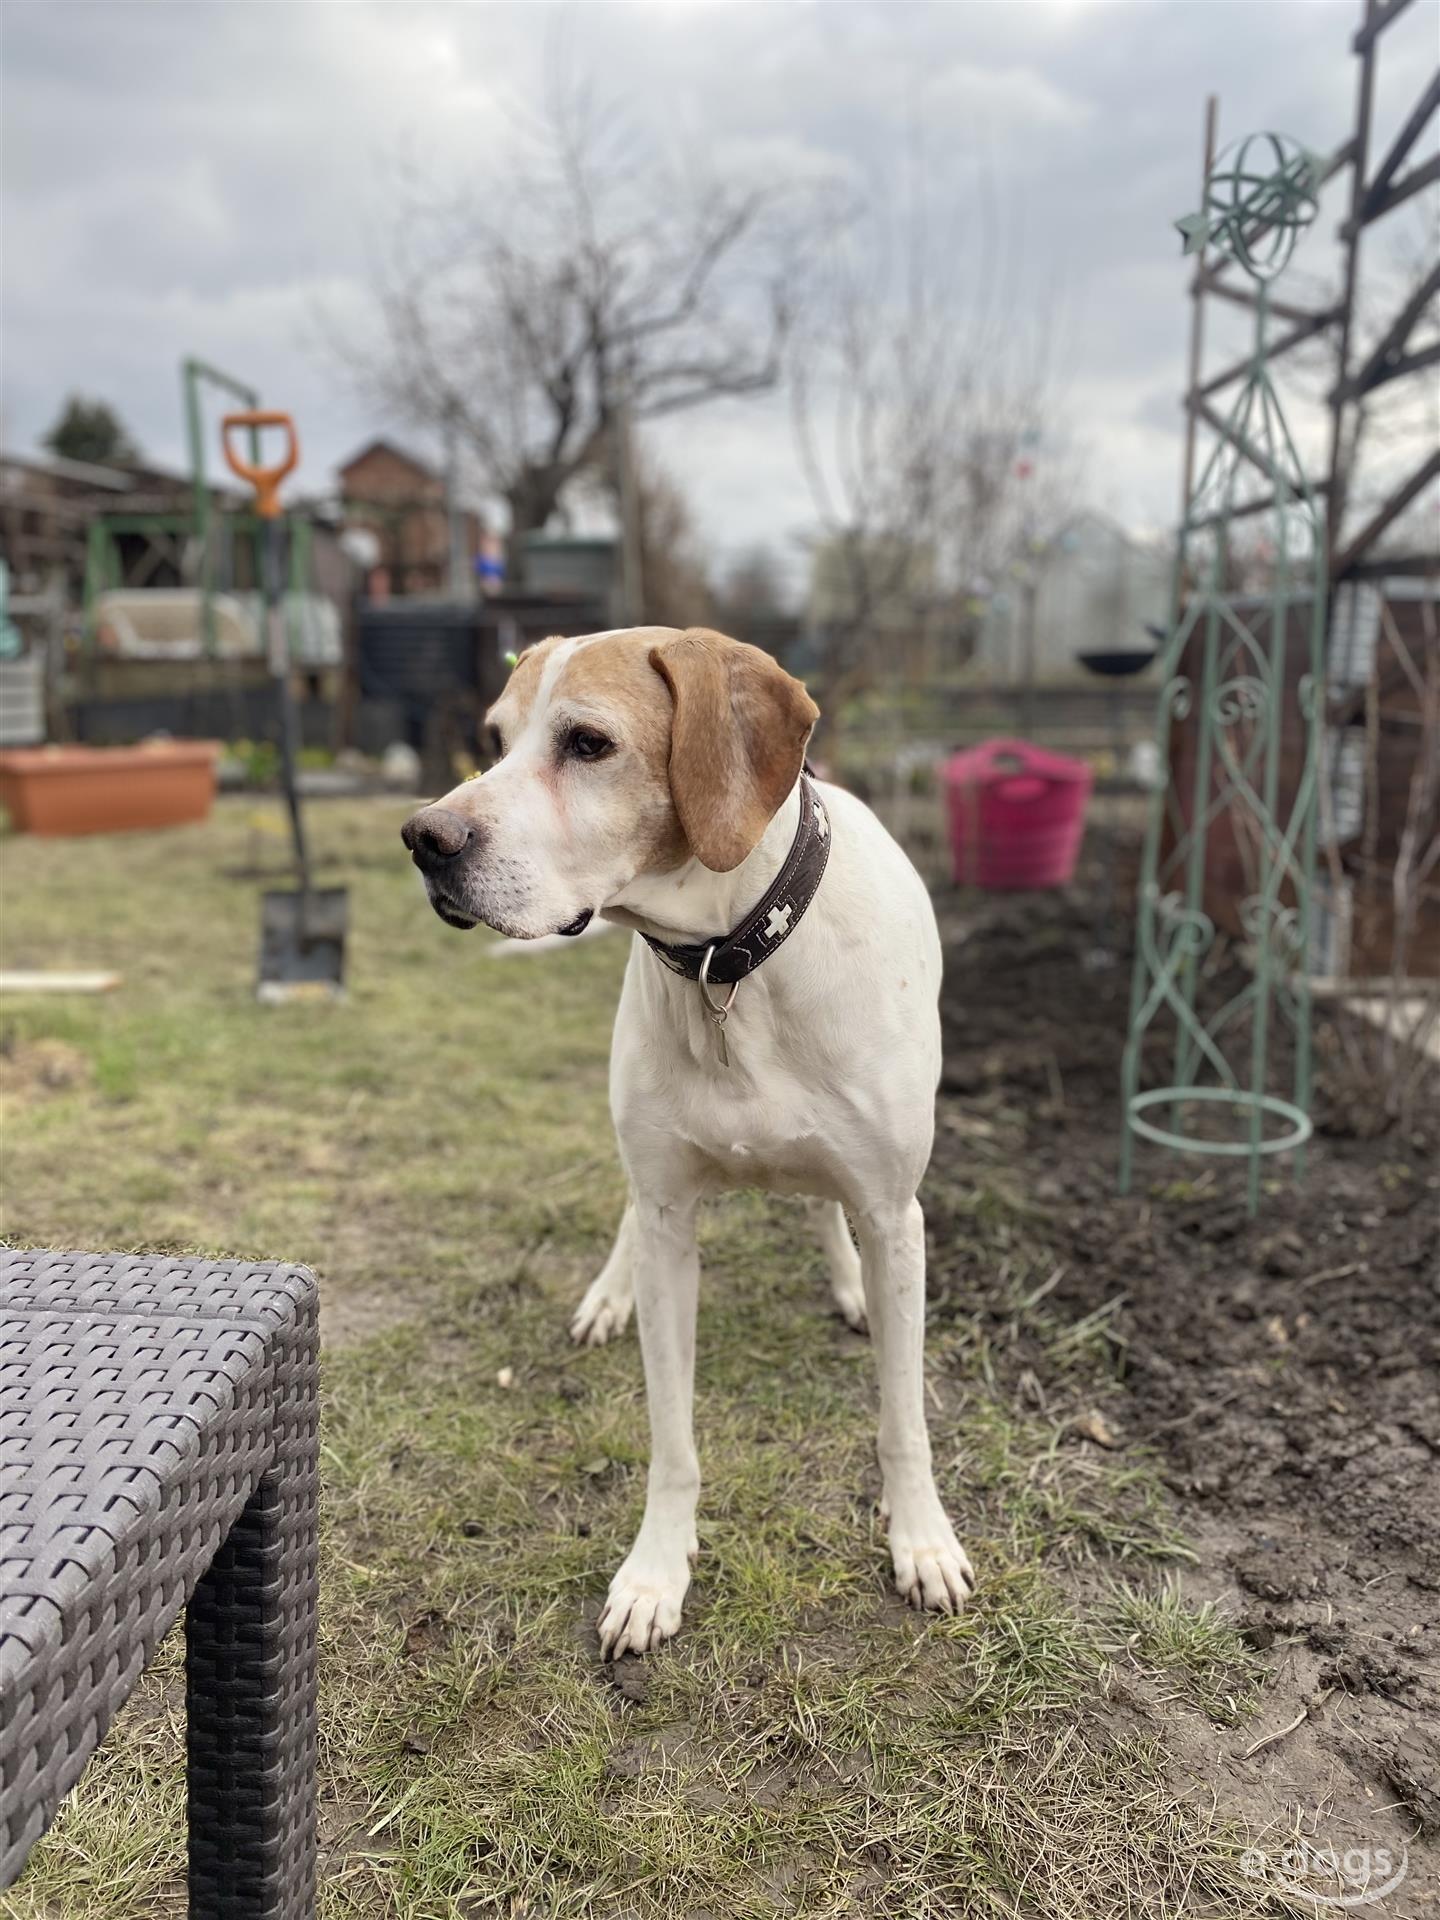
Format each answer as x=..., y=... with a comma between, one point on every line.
x=932, y=1569
x=601, y=1315
x=642, y=1609
x=850, y=1303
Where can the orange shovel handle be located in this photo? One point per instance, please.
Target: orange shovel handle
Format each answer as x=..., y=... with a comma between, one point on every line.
x=265, y=480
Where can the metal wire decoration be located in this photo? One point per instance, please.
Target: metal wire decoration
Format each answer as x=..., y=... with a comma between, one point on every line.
x=1241, y=700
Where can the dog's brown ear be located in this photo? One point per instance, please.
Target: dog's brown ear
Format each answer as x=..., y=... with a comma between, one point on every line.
x=737, y=741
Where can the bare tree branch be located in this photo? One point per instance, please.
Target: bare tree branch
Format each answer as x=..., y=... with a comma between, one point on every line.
x=584, y=283
x=916, y=389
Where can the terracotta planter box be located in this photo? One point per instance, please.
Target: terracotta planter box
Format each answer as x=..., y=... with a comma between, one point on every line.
x=72, y=790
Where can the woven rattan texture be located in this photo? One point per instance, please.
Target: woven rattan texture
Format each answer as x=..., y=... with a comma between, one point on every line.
x=158, y=1446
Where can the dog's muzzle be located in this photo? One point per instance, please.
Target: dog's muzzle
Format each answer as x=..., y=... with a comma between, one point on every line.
x=436, y=838
x=438, y=841
x=443, y=847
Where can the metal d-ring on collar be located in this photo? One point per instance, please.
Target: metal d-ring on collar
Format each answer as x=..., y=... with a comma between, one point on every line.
x=717, y=1009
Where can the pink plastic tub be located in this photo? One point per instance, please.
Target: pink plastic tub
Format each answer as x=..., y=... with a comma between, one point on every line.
x=1017, y=814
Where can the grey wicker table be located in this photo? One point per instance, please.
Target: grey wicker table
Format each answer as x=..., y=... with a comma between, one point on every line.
x=158, y=1448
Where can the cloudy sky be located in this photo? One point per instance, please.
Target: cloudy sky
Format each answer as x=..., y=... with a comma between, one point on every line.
x=210, y=178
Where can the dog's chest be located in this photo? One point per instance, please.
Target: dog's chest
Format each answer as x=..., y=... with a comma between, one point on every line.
x=764, y=1131
x=779, y=1162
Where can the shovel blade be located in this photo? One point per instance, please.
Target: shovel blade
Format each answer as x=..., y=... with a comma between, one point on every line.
x=302, y=945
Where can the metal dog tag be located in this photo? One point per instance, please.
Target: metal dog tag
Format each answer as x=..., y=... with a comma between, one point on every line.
x=718, y=1012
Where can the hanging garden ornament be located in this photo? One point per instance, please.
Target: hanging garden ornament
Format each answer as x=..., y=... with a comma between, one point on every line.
x=1260, y=196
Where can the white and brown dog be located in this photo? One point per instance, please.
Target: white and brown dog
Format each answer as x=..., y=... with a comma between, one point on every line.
x=655, y=777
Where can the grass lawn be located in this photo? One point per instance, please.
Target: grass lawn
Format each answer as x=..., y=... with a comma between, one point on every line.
x=439, y=1150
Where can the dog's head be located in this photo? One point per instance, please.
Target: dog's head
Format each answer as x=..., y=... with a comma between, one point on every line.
x=621, y=754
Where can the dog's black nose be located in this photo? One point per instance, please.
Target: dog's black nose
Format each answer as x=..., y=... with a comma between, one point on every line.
x=435, y=837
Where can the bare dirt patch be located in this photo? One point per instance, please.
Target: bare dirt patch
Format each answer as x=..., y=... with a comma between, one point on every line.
x=35, y=1070
x=1285, y=1369
x=349, y=1315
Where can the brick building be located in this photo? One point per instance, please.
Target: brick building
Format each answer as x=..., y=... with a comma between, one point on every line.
x=402, y=501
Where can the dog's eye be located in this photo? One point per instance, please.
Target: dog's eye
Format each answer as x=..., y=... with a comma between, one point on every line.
x=583, y=743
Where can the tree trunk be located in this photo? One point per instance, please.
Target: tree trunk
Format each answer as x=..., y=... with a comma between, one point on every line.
x=532, y=501
x=521, y=524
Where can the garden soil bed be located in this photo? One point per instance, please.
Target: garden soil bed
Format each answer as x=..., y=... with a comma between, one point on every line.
x=1284, y=1369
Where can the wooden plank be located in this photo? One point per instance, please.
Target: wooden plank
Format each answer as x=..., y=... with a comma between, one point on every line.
x=1263, y=505
x=1398, y=566
x=20, y=981
x=1404, y=140
x=1341, y=157
x=1392, y=509
x=1375, y=24
x=1243, y=297
x=1197, y=309
x=1304, y=330
x=1394, y=196
x=1360, y=143
x=1398, y=332
x=1407, y=363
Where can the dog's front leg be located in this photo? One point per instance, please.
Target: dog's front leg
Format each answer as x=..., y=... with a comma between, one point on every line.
x=643, y=1607
x=931, y=1567
x=611, y=1294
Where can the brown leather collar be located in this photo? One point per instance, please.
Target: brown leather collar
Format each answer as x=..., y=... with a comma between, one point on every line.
x=736, y=954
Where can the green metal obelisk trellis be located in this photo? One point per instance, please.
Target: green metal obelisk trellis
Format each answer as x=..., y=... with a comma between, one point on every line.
x=1241, y=699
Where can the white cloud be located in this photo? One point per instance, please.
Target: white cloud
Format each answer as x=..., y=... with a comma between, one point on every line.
x=199, y=179
x=1007, y=100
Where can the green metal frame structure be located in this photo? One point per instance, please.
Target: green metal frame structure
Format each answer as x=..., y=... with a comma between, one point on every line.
x=194, y=374
x=1228, y=680
x=103, y=569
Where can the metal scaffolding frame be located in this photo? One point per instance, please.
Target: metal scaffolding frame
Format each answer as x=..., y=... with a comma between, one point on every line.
x=1373, y=194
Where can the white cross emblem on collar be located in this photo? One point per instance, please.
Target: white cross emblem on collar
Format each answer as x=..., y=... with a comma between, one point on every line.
x=822, y=825
x=778, y=923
